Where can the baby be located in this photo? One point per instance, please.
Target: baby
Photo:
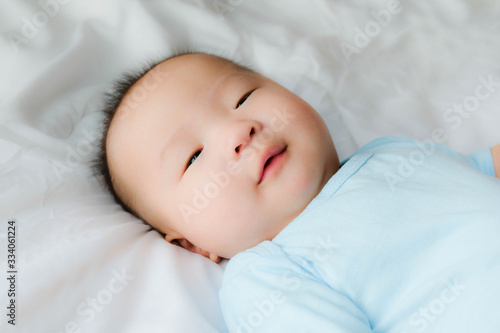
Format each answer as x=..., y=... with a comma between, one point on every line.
x=400, y=237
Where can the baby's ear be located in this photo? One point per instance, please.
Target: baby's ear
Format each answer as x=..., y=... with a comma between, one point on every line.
x=193, y=248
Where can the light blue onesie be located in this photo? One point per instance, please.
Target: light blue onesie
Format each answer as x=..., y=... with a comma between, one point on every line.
x=405, y=237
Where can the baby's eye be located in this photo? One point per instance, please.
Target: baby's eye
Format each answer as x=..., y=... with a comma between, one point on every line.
x=244, y=98
x=193, y=158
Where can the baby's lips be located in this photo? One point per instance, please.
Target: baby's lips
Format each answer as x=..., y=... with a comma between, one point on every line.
x=270, y=152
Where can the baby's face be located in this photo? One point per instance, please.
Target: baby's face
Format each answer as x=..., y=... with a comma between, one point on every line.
x=217, y=157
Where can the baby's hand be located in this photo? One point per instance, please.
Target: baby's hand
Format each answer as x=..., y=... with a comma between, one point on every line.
x=495, y=152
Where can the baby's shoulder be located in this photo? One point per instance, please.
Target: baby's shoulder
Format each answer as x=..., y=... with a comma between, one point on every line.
x=266, y=259
x=388, y=143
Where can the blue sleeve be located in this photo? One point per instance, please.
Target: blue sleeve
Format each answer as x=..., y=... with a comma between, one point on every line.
x=481, y=160
x=274, y=294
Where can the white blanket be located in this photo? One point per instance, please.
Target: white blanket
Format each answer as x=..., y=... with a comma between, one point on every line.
x=371, y=68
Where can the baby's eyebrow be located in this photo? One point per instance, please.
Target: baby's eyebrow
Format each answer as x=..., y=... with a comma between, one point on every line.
x=172, y=141
x=223, y=83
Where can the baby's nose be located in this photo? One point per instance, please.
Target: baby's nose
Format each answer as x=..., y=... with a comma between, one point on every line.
x=238, y=136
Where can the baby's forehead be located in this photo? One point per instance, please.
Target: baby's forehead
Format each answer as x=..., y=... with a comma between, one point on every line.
x=184, y=75
x=180, y=83
x=190, y=64
x=178, y=72
x=195, y=67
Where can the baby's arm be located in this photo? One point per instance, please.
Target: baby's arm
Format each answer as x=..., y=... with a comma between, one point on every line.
x=275, y=294
x=495, y=152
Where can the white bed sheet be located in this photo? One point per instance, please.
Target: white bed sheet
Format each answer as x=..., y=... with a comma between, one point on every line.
x=86, y=266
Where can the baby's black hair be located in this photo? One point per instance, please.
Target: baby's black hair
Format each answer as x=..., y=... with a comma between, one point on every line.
x=112, y=100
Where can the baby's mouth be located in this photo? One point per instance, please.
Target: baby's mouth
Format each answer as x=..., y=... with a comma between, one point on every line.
x=271, y=161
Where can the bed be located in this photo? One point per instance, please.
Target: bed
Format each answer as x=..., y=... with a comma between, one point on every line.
x=422, y=69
